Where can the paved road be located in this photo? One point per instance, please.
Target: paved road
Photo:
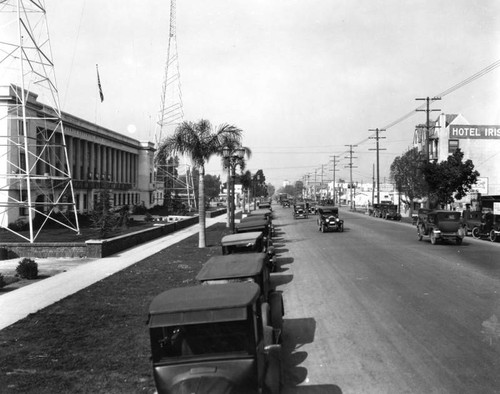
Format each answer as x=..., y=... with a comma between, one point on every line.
x=373, y=310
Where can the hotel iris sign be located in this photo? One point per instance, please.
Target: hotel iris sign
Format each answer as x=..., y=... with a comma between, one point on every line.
x=474, y=132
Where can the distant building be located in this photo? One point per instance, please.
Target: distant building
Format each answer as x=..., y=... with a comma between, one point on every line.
x=479, y=143
x=98, y=157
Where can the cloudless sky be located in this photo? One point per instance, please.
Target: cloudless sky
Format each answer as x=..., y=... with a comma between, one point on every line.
x=302, y=79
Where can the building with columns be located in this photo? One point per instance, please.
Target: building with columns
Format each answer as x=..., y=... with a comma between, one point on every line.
x=99, y=158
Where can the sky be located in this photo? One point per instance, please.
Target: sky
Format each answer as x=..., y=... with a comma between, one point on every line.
x=302, y=79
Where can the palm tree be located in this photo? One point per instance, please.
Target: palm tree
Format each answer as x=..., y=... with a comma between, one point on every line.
x=199, y=141
x=233, y=145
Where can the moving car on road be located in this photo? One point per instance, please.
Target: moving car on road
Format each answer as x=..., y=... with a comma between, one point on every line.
x=213, y=339
x=328, y=219
x=300, y=210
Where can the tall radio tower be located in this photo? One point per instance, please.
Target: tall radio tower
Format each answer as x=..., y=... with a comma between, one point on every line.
x=35, y=171
x=178, y=181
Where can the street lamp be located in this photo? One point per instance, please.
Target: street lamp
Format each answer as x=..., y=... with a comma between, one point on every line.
x=256, y=180
x=233, y=157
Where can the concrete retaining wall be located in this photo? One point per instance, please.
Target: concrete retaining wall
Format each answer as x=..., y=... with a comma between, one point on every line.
x=92, y=248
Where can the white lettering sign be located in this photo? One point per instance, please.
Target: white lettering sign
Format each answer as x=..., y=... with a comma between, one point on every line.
x=474, y=132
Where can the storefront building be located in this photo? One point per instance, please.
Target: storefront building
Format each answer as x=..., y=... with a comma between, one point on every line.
x=479, y=143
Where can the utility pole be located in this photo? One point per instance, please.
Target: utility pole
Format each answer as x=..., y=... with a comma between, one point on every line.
x=351, y=167
x=315, y=173
x=428, y=101
x=334, y=169
x=377, y=138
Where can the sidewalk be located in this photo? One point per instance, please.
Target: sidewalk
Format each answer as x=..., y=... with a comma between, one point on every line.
x=19, y=303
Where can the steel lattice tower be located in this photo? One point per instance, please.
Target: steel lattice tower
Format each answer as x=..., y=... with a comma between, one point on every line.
x=35, y=170
x=170, y=115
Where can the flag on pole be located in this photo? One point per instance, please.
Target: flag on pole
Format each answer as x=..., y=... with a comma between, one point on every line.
x=99, y=84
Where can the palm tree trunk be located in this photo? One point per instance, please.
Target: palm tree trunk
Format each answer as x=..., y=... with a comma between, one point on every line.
x=201, y=208
x=228, y=195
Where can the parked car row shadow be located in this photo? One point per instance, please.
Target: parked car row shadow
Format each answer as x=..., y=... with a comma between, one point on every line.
x=296, y=332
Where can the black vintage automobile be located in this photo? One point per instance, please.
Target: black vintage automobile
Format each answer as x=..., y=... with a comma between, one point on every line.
x=391, y=212
x=214, y=339
x=300, y=210
x=250, y=242
x=244, y=268
x=488, y=228
x=440, y=225
x=328, y=219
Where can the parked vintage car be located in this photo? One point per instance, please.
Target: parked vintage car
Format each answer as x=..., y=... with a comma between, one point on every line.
x=488, y=228
x=243, y=268
x=391, y=212
x=213, y=339
x=440, y=225
x=265, y=205
x=255, y=223
x=262, y=211
x=328, y=219
x=251, y=242
x=300, y=210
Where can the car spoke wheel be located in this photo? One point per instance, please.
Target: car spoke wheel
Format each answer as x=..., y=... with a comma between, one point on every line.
x=493, y=236
x=475, y=232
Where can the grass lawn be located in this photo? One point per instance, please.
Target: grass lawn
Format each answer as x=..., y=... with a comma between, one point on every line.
x=96, y=341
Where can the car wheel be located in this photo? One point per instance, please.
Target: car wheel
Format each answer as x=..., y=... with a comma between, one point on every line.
x=475, y=233
x=459, y=241
x=433, y=238
x=419, y=233
x=273, y=376
x=493, y=236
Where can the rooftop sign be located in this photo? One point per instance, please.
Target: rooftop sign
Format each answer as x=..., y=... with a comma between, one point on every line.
x=475, y=132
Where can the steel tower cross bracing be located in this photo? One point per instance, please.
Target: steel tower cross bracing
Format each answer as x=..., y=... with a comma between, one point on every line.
x=35, y=170
x=170, y=115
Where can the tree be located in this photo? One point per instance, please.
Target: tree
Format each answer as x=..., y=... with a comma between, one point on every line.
x=299, y=188
x=199, y=141
x=102, y=217
x=406, y=172
x=270, y=190
x=212, y=186
x=450, y=179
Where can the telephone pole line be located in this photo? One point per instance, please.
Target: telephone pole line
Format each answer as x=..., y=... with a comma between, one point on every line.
x=377, y=138
x=334, y=169
x=428, y=111
x=351, y=167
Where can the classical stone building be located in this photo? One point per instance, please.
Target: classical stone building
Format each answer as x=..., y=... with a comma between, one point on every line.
x=98, y=158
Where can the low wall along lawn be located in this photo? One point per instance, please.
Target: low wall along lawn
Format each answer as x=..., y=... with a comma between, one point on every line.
x=97, y=248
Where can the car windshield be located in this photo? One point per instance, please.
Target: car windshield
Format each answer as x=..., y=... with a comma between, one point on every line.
x=329, y=212
x=201, y=339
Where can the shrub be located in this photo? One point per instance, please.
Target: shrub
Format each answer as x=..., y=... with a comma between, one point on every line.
x=27, y=269
x=19, y=225
x=2, y=281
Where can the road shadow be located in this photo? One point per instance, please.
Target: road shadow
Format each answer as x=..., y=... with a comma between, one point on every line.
x=296, y=333
x=278, y=279
x=316, y=389
x=282, y=261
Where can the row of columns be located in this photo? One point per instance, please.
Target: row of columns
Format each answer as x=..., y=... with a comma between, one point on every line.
x=93, y=161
